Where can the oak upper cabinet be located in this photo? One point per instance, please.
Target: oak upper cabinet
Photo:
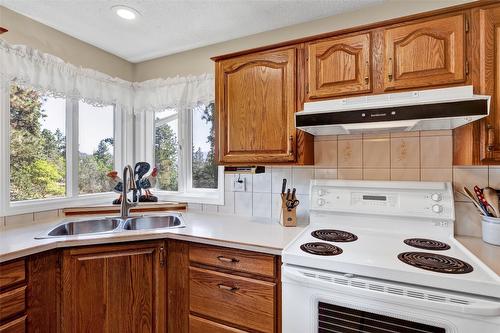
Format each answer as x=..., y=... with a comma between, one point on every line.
x=425, y=54
x=256, y=102
x=338, y=66
x=114, y=288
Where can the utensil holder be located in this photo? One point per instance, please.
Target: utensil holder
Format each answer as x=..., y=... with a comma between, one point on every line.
x=288, y=218
x=491, y=230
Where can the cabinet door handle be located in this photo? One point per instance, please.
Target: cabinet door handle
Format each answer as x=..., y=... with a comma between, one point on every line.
x=225, y=259
x=389, y=76
x=290, y=151
x=367, y=73
x=491, y=138
x=228, y=288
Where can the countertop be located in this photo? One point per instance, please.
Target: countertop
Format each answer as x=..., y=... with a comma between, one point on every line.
x=487, y=253
x=254, y=234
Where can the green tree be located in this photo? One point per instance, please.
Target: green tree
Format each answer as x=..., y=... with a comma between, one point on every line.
x=37, y=156
x=204, y=168
x=92, y=169
x=166, y=158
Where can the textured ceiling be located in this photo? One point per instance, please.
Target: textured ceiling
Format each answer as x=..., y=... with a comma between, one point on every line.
x=167, y=26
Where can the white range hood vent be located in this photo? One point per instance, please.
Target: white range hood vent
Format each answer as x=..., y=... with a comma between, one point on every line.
x=425, y=110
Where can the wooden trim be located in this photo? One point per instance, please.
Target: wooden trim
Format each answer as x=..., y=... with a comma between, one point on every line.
x=359, y=28
x=114, y=209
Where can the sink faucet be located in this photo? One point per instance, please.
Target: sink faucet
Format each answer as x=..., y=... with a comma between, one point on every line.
x=125, y=205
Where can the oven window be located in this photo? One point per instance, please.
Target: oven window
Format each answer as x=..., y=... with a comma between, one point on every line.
x=334, y=318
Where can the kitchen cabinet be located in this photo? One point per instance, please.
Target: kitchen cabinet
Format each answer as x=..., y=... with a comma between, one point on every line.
x=479, y=142
x=13, y=296
x=256, y=98
x=220, y=289
x=338, y=66
x=425, y=54
x=114, y=288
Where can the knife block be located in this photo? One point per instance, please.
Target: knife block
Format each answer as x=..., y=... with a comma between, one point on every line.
x=288, y=218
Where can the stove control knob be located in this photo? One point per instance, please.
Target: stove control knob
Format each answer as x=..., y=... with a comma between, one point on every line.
x=321, y=202
x=437, y=208
x=321, y=192
x=436, y=197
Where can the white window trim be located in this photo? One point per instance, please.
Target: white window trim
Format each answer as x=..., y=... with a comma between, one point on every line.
x=123, y=153
x=145, y=131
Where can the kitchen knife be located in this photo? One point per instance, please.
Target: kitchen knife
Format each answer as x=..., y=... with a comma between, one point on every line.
x=288, y=194
x=293, y=193
x=283, y=187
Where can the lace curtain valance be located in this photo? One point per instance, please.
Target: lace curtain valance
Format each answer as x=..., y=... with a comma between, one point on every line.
x=51, y=75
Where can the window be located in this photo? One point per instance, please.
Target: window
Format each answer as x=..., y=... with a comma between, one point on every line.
x=203, y=168
x=166, y=149
x=59, y=149
x=37, y=145
x=191, y=174
x=95, y=147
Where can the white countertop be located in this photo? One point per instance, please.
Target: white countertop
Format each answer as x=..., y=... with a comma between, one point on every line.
x=254, y=234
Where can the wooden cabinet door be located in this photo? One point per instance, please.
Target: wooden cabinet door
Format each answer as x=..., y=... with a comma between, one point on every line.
x=114, y=288
x=338, y=67
x=425, y=54
x=256, y=102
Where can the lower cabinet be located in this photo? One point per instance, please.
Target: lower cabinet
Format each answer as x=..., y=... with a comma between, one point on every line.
x=114, y=288
x=201, y=325
x=13, y=296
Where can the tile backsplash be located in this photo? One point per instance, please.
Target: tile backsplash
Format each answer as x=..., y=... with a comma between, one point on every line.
x=418, y=156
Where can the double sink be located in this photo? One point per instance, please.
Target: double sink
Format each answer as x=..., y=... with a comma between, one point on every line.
x=114, y=224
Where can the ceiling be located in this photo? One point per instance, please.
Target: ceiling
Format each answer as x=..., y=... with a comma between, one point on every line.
x=170, y=26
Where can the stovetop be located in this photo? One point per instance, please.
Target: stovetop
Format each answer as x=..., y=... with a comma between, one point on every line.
x=375, y=254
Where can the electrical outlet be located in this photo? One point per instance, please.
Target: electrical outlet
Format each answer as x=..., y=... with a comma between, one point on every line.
x=239, y=184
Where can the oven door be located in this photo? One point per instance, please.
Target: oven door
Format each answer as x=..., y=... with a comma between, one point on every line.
x=318, y=301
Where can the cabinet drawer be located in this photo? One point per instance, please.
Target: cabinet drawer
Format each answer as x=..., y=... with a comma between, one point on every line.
x=243, y=301
x=237, y=260
x=15, y=326
x=201, y=325
x=12, y=302
x=12, y=273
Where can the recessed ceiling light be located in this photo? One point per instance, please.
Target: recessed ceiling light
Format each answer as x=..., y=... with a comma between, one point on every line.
x=125, y=12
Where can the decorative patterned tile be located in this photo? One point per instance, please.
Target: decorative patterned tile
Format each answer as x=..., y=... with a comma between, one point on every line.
x=436, y=175
x=405, y=134
x=350, y=154
x=350, y=174
x=405, y=152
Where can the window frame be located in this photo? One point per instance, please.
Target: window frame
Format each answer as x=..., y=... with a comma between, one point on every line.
x=145, y=132
x=122, y=125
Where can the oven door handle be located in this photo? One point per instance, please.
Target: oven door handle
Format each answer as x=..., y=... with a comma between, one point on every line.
x=476, y=306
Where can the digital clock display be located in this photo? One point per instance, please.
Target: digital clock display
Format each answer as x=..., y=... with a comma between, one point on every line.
x=375, y=197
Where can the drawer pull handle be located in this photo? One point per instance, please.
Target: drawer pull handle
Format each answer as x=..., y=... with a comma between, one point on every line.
x=228, y=288
x=391, y=69
x=225, y=259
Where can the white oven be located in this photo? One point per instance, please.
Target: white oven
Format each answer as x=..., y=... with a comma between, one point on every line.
x=325, y=302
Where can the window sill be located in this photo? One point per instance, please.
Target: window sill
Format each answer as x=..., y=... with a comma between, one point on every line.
x=32, y=206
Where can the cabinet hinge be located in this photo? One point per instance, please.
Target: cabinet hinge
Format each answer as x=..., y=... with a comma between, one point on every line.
x=466, y=25
x=466, y=67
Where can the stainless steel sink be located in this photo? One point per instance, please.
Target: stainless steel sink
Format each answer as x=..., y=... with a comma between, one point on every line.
x=114, y=225
x=93, y=226
x=154, y=222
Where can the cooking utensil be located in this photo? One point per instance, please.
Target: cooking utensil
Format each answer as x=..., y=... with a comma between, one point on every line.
x=469, y=195
x=283, y=186
x=490, y=195
x=482, y=201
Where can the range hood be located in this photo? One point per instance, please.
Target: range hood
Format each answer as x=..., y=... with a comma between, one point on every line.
x=434, y=109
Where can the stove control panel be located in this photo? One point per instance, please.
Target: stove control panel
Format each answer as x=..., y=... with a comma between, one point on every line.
x=417, y=199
